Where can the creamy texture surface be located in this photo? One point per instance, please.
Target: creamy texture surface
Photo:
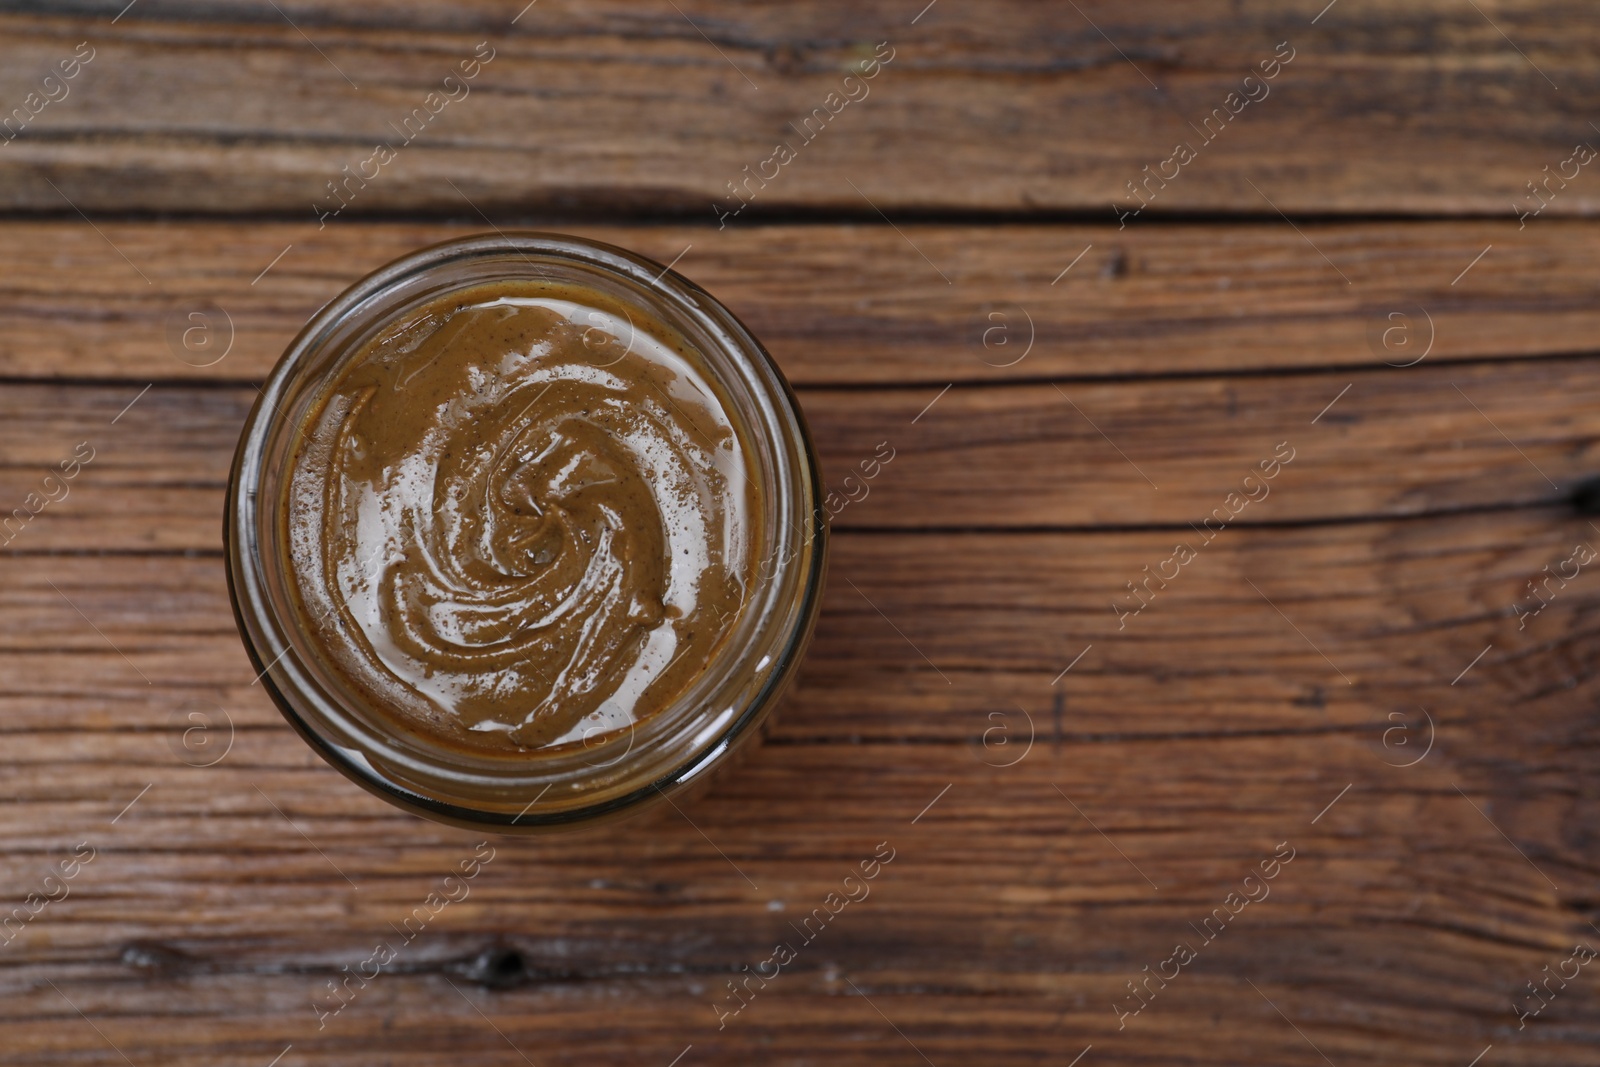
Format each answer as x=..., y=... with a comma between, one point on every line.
x=521, y=517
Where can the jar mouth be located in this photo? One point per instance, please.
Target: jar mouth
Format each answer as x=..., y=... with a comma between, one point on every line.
x=577, y=784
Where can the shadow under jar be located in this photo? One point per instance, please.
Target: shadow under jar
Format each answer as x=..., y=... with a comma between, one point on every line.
x=524, y=533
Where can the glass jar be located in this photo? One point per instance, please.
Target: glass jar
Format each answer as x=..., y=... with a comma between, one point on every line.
x=606, y=777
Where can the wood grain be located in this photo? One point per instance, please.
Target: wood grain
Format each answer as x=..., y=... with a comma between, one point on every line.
x=1197, y=741
x=1169, y=454
x=1428, y=107
x=1072, y=774
x=856, y=305
x=1033, y=601
x=1197, y=733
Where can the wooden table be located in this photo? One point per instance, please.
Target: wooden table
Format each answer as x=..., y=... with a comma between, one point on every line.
x=1082, y=744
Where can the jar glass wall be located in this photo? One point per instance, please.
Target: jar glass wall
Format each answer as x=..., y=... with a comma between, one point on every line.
x=607, y=772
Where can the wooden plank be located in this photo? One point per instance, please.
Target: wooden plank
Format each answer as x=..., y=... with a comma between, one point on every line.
x=115, y=643
x=1169, y=453
x=857, y=305
x=255, y=107
x=1196, y=740
x=1072, y=774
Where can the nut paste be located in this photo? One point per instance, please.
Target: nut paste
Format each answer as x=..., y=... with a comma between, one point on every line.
x=520, y=517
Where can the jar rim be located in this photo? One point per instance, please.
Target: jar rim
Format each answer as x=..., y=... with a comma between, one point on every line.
x=459, y=789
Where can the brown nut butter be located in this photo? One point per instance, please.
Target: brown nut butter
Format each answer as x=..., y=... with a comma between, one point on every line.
x=525, y=534
x=520, y=516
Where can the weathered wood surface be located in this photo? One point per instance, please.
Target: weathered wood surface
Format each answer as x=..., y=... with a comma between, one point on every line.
x=1070, y=787
x=1399, y=541
x=1197, y=740
x=858, y=305
x=1129, y=454
x=1428, y=106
